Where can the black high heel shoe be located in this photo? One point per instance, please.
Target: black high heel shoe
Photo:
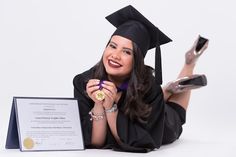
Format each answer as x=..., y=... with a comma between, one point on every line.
x=199, y=46
x=186, y=83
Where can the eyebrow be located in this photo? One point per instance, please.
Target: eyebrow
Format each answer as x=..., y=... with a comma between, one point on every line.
x=126, y=48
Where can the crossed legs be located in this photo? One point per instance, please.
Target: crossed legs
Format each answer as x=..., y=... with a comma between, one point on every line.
x=180, y=98
x=187, y=70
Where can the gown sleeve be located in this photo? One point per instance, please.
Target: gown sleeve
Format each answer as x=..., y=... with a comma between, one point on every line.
x=85, y=105
x=164, y=125
x=138, y=137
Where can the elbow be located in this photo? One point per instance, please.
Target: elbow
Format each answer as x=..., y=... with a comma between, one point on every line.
x=97, y=144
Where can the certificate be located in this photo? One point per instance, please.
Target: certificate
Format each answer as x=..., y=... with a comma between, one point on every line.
x=46, y=124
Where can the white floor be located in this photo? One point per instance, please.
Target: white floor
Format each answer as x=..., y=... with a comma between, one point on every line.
x=198, y=139
x=184, y=147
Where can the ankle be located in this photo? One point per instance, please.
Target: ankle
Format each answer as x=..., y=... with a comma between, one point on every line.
x=190, y=66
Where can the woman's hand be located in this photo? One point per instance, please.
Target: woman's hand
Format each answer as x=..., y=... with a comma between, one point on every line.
x=91, y=88
x=110, y=90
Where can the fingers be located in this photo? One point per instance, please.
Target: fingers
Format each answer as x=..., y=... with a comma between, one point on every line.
x=109, y=89
x=92, y=86
x=93, y=82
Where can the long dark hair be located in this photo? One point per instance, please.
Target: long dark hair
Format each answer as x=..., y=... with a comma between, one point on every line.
x=140, y=82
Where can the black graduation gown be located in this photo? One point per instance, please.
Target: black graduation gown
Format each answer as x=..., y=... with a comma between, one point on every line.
x=164, y=124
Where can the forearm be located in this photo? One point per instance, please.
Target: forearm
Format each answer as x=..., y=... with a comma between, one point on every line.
x=99, y=126
x=111, y=119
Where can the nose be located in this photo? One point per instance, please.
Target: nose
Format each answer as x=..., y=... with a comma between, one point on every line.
x=116, y=54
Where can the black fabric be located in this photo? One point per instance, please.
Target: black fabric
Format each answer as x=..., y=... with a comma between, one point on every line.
x=131, y=24
x=174, y=119
x=164, y=125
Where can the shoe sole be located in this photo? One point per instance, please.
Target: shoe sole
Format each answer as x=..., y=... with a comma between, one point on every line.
x=200, y=80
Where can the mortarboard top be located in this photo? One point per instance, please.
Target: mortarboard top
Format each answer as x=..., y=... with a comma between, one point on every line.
x=132, y=25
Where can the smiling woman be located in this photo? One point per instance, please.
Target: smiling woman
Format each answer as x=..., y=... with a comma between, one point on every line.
x=118, y=58
x=122, y=104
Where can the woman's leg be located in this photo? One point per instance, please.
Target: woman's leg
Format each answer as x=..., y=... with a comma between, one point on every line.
x=187, y=70
x=181, y=98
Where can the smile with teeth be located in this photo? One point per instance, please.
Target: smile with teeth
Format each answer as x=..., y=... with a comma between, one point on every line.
x=113, y=64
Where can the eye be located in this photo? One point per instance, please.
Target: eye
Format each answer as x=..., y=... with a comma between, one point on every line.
x=128, y=52
x=112, y=46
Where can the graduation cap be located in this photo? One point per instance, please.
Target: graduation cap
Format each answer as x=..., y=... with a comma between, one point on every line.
x=132, y=25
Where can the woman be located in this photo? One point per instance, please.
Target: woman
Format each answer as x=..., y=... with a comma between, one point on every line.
x=122, y=105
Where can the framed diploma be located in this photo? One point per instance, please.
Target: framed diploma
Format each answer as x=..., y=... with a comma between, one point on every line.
x=44, y=124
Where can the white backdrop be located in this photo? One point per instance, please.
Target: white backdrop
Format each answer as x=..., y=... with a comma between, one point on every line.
x=45, y=43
